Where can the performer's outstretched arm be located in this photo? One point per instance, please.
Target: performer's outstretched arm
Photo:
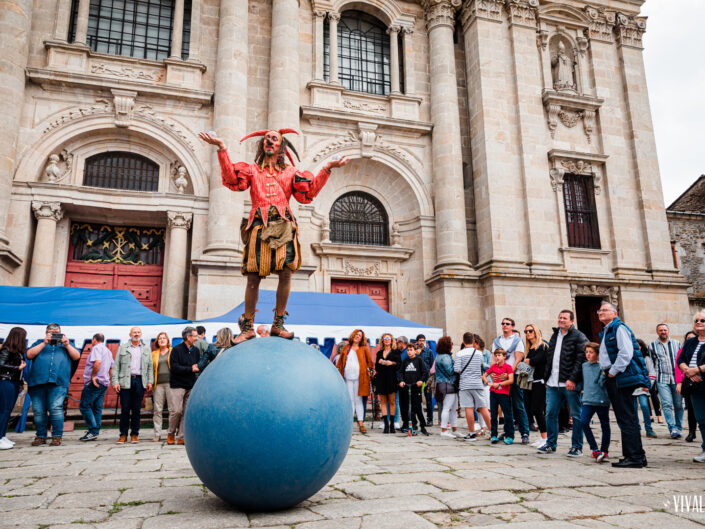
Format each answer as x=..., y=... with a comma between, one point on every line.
x=306, y=186
x=235, y=176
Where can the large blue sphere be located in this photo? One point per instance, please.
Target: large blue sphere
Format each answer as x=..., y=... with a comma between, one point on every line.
x=268, y=424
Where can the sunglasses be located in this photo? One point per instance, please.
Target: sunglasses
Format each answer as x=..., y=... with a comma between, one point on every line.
x=529, y=331
x=700, y=321
x=506, y=323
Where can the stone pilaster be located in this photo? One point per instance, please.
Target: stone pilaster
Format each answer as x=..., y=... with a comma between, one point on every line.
x=177, y=31
x=194, y=45
x=393, y=32
x=449, y=201
x=63, y=19
x=175, y=274
x=333, y=19
x=230, y=123
x=82, y=21
x=319, y=17
x=284, y=66
x=15, y=25
x=409, y=86
x=42, y=266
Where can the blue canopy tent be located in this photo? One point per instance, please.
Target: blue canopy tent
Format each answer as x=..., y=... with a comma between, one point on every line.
x=316, y=316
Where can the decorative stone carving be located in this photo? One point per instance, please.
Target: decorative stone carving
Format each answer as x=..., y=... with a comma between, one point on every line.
x=589, y=122
x=602, y=23
x=179, y=220
x=577, y=166
x=325, y=230
x=577, y=163
x=396, y=237
x=362, y=271
x=179, y=176
x=124, y=103
x=569, y=108
x=542, y=39
x=440, y=13
x=553, y=111
x=334, y=16
x=343, y=142
x=319, y=13
x=58, y=166
x=148, y=113
x=127, y=72
x=568, y=118
x=47, y=210
x=630, y=30
x=606, y=292
x=522, y=12
x=101, y=106
x=563, y=67
x=481, y=9
x=362, y=106
x=368, y=136
x=557, y=178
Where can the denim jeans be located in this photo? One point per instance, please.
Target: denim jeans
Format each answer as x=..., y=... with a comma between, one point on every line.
x=698, y=400
x=554, y=400
x=519, y=412
x=92, y=406
x=603, y=413
x=672, y=406
x=504, y=401
x=48, y=399
x=643, y=402
x=8, y=396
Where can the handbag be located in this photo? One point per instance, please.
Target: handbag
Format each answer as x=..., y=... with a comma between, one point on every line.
x=688, y=387
x=456, y=382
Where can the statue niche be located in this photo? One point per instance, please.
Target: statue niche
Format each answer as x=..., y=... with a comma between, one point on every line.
x=563, y=66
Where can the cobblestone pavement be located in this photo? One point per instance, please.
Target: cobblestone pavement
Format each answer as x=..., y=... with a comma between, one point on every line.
x=385, y=482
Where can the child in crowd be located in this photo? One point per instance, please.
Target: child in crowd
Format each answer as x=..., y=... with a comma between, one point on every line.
x=499, y=395
x=595, y=400
x=412, y=375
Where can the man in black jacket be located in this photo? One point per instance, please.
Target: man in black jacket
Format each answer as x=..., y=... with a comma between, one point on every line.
x=564, y=360
x=183, y=366
x=411, y=376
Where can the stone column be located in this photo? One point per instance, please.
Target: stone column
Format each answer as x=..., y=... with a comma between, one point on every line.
x=82, y=21
x=177, y=31
x=333, y=19
x=284, y=66
x=318, y=18
x=449, y=195
x=43, y=256
x=194, y=46
x=393, y=32
x=63, y=19
x=406, y=33
x=229, y=122
x=175, y=277
x=15, y=25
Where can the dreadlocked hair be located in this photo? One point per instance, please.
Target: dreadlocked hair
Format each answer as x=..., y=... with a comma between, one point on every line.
x=281, y=157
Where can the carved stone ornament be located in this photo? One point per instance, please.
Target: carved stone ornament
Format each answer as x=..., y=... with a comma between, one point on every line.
x=630, y=30
x=334, y=16
x=124, y=103
x=179, y=176
x=440, y=13
x=481, y=9
x=127, y=72
x=101, y=106
x=363, y=106
x=47, y=210
x=361, y=271
x=325, y=230
x=568, y=118
x=557, y=178
x=396, y=237
x=179, y=220
x=319, y=13
x=522, y=12
x=569, y=108
x=602, y=23
x=606, y=292
x=58, y=166
x=585, y=164
x=578, y=167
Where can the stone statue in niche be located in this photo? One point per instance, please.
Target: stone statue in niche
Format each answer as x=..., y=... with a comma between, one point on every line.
x=563, y=68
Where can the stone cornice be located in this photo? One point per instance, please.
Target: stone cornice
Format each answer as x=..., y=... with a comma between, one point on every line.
x=481, y=9
x=440, y=13
x=390, y=253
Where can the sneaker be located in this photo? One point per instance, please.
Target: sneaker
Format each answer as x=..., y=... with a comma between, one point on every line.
x=700, y=458
x=8, y=440
x=424, y=432
x=494, y=440
x=596, y=453
x=525, y=439
x=39, y=441
x=676, y=434
x=457, y=434
x=471, y=437
x=508, y=441
x=652, y=435
x=448, y=435
x=88, y=437
x=603, y=458
x=574, y=452
x=539, y=442
x=5, y=444
x=478, y=427
x=545, y=449
x=397, y=425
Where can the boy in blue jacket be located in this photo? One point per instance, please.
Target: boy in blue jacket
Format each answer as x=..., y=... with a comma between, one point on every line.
x=595, y=400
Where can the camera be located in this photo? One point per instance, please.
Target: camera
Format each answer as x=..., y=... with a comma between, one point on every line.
x=56, y=338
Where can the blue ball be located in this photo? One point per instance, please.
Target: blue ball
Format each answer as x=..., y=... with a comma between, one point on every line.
x=268, y=424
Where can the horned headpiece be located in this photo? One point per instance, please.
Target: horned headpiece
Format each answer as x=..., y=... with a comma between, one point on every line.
x=286, y=144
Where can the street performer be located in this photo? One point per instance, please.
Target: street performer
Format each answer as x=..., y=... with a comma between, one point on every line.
x=270, y=236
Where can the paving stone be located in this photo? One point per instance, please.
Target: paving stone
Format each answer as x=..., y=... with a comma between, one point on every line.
x=146, y=510
x=287, y=517
x=340, y=523
x=89, y=500
x=211, y=520
x=36, y=517
x=654, y=519
x=20, y=503
x=564, y=509
x=365, y=490
x=407, y=520
x=345, y=508
x=197, y=503
x=468, y=499
x=161, y=494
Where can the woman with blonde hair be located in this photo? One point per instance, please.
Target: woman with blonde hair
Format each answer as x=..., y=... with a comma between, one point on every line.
x=692, y=363
x=355, y=363
x=161, y=355
x=385, y=381
x=223, y=341
x=536, y=357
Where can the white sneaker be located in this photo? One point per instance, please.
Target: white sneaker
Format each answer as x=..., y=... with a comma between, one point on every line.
x=397, y=425
x=457, y=433
x=478, y=427
x=381, y=425
x=9, y=440
x=5, y=444
x=539, y=443
x=700, y=458
x=448, y=435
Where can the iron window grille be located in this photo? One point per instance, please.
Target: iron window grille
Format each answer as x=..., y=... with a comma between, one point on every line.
x=359, y=218
x=363, y=54
x=134, y=28
x=121, y=170
x=581, y=212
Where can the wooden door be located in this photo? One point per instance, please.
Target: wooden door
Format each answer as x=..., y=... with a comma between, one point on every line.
x=76, y=386
x=586, y=316
x=377, y=290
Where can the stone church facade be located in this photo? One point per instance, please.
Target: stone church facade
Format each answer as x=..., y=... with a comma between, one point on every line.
x=503, y=155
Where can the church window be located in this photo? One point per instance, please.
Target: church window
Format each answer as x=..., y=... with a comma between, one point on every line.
x=359, y=218
x=363, y=53
x=134, y=28
x=121, y=170
x=581, y=212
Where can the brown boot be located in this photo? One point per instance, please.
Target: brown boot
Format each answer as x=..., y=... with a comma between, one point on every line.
x=180, y=442
x=362, y=427
x=55, y=441
x=39, y=441
x=134, y=439
x=278, y=327
x=247, y=330
x=170, y=439
x=122, y=440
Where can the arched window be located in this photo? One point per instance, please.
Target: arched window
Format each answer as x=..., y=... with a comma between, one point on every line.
x=121, y=170
x=363, y=53
x=135, y=28
x=359, y=218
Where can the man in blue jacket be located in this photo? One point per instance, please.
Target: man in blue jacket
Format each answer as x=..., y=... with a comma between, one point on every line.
x=623, y=364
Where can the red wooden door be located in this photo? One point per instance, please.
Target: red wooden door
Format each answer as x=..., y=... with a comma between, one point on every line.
x=377, y=290
x=76, y=386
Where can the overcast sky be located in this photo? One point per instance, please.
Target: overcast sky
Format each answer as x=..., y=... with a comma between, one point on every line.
x=675, y=70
